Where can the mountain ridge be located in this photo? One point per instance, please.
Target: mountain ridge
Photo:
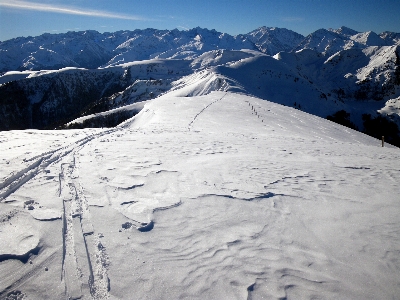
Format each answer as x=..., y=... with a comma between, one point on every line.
x=91, y=49
x=361, y=78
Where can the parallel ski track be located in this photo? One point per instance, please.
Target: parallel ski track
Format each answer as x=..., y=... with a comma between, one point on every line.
x=84, y=268
x=84, y=261
x=41, y=162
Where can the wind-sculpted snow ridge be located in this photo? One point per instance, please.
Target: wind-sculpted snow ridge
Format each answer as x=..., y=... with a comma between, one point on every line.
x=222, y=196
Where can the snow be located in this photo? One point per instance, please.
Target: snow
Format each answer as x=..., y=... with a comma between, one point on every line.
x=221, y=57
x=14, y=75
x=392, y=109
x=127, y=108
x=379, y=57
x=221, y=196
x=21, y=237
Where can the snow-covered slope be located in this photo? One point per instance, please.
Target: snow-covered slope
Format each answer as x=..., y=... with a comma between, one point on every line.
x=221, y=57
x=222, y=196
x=323, y=41
x=369, y=38
x=362, y=74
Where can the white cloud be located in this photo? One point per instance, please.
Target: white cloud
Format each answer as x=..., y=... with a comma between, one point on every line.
x=26, y=5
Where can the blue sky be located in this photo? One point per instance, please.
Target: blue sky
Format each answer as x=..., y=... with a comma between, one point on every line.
x=26, y=17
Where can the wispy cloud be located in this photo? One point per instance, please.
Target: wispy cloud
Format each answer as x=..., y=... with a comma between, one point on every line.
x=183, y=27
x=27, y=5
x=293, y=19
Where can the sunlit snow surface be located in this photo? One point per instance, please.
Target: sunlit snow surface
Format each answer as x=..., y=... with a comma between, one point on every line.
x=221, y=196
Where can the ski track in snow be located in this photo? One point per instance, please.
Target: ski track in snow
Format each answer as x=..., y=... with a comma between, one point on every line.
x=83, y=255
x=82, y=252
x=223, y=196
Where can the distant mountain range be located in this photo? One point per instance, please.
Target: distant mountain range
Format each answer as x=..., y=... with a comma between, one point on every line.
x=53, y=79
x=91, y=49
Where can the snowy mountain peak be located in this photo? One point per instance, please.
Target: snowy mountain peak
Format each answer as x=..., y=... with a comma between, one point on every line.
x=272, y=40
x=323, y=41
x=345, y=31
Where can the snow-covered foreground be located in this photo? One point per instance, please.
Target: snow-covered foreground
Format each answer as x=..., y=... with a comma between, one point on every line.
x=221, y=196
